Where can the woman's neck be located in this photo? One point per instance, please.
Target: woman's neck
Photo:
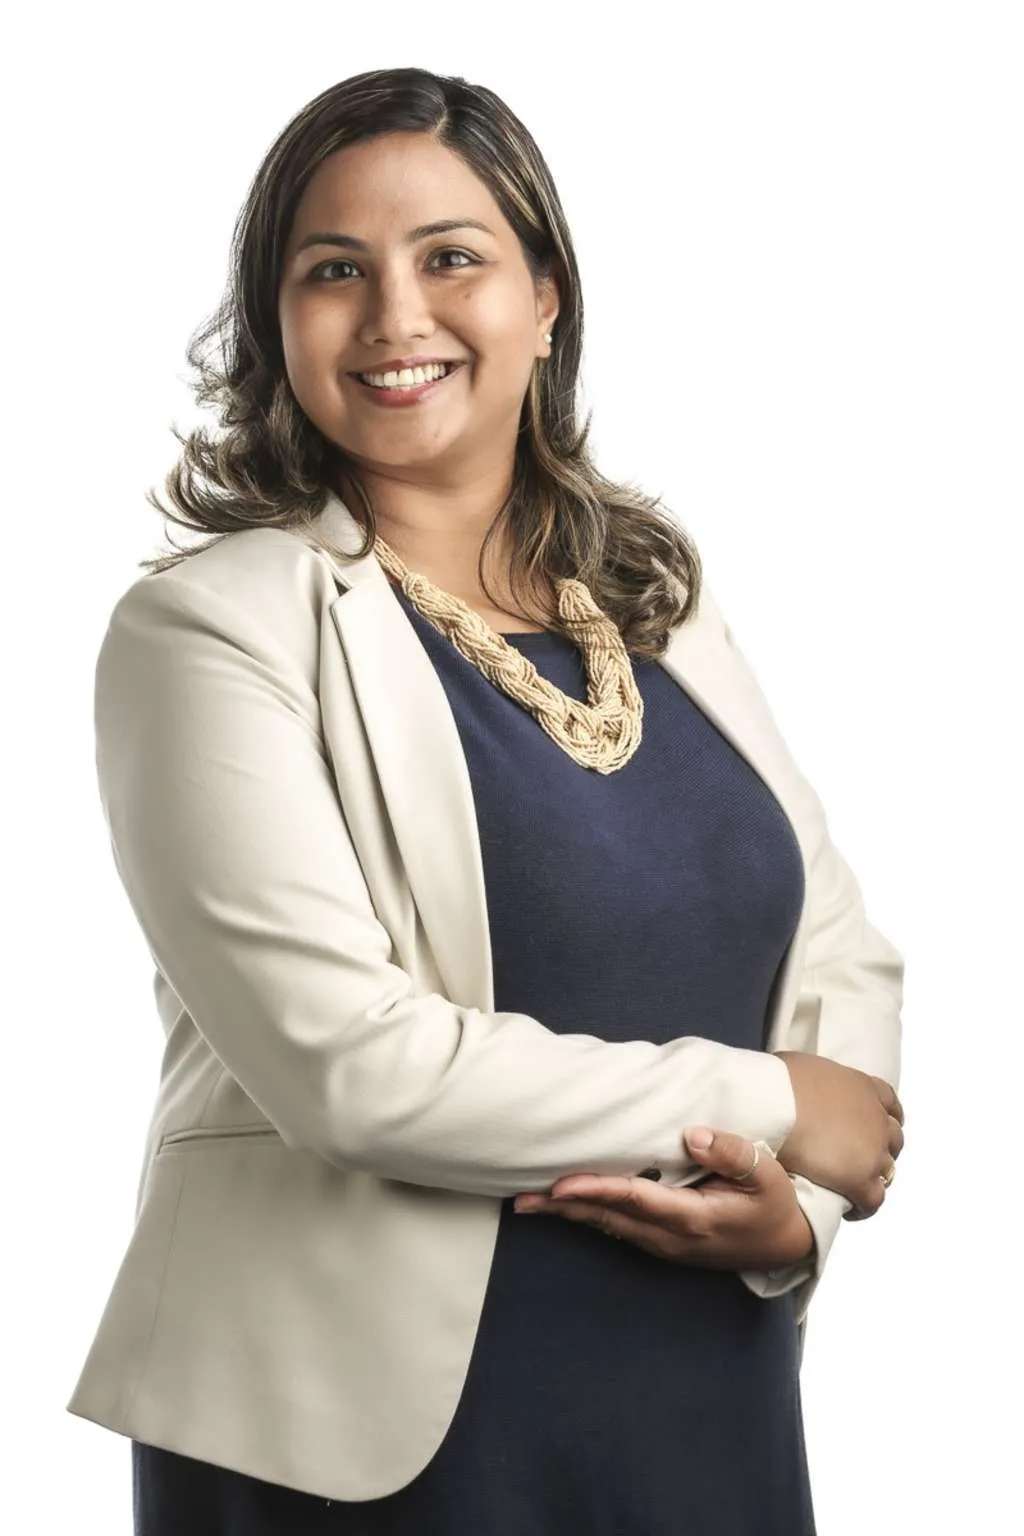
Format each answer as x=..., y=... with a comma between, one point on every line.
x=438, y=532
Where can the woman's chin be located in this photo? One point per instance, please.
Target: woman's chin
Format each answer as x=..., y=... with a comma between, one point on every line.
x=391, y=455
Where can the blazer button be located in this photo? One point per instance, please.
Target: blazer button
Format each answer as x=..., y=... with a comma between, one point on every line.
x=650, y=1173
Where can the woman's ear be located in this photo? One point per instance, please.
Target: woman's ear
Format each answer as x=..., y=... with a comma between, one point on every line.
x=548, y=305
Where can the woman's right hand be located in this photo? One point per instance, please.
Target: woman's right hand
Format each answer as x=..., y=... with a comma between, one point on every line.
x=848, y=1129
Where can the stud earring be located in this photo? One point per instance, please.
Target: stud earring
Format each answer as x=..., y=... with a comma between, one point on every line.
x=548, y=336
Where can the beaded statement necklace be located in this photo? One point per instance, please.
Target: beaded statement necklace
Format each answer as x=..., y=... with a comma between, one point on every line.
x=602, y=733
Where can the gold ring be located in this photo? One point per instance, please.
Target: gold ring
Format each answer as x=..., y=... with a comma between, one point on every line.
x=739, y=1177
x=887, y=1178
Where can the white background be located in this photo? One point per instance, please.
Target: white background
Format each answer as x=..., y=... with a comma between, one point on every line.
x=800, y=231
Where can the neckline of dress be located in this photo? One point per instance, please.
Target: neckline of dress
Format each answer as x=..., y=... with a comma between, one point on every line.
x=513, y=635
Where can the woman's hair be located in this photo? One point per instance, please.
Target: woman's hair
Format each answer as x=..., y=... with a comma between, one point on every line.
x=269, y=466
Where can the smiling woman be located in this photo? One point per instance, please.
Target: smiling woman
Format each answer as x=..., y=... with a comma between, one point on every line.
x=404, y=219
x=474, y=868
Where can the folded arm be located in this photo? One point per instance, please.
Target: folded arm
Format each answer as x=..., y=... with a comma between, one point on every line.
x=231, y=843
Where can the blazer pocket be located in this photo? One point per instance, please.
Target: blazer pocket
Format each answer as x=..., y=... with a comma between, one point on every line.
x=213, y=1136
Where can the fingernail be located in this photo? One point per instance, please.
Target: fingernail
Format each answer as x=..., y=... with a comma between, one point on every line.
x=701, y=1139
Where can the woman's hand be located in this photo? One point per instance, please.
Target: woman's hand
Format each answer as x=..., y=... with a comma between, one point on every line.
x=848, y=1131
x=726, y=1222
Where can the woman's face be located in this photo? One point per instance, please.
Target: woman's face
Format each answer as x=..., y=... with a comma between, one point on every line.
x=369, y=286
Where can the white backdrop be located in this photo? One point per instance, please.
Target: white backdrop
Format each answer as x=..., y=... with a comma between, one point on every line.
x=801, y=237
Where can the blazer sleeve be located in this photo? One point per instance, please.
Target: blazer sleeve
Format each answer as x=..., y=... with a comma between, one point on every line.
x=848, y=1006
x=229, y=837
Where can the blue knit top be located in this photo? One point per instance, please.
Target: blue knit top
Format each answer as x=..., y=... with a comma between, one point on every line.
x=611, y=1391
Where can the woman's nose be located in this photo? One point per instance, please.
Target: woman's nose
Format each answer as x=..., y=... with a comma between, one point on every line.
x=397, y=309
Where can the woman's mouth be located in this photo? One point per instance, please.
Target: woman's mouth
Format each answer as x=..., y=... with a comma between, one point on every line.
x=407, y=385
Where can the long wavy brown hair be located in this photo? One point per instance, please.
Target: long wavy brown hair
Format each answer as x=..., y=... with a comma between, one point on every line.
x=267, y=465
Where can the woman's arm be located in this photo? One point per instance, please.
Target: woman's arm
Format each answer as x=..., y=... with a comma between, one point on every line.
x=232, y=846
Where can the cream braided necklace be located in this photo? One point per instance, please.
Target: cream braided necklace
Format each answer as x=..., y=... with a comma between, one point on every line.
x=602, y=733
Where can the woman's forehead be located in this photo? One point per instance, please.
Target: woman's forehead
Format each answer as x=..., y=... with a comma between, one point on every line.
x=402, y=180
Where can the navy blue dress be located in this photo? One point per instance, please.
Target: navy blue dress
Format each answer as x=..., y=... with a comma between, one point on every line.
x=610, y=1393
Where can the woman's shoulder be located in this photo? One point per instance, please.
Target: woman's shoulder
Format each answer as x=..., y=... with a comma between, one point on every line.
x=266, y=590
x=248, y=568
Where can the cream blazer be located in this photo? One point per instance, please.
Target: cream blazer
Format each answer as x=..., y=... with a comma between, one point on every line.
x=341, y=1110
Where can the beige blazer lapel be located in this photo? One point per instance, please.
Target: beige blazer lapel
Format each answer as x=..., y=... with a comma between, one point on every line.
x=424, y=782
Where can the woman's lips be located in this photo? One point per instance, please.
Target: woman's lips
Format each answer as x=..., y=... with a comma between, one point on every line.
x=411, y=395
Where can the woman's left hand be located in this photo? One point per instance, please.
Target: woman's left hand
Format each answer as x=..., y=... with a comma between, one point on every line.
x=726, y=1222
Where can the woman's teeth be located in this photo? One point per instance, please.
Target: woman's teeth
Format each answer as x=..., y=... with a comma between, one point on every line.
x=407, y=378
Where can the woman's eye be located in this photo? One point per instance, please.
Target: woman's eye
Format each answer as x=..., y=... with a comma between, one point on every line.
x=337, y=261
x=463, y=257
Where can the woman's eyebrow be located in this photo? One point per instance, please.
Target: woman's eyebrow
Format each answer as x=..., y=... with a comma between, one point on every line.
x=421, y=232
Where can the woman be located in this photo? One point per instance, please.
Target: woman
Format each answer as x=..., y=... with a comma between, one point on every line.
x=473, y=868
